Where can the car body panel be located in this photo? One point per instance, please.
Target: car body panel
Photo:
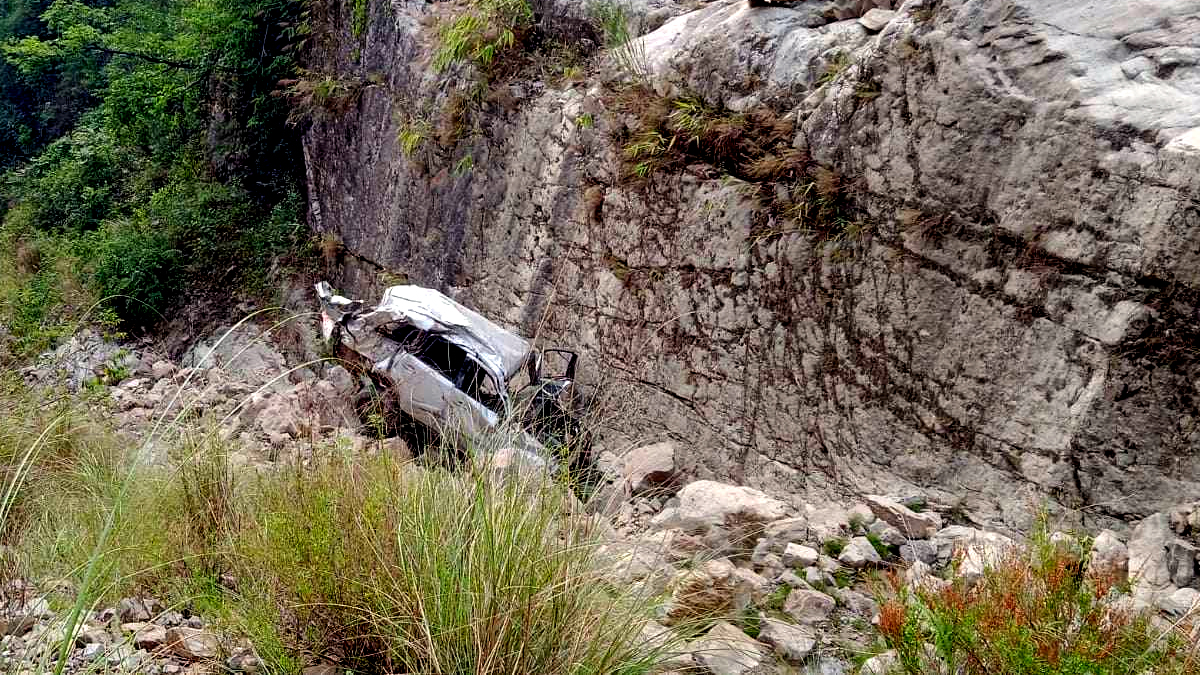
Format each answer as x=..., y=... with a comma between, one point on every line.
x=448, y=367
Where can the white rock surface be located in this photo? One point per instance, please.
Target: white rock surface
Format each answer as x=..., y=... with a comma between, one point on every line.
x=706, y=504
x=726, y=650
x=808, y=607
x=793, y=643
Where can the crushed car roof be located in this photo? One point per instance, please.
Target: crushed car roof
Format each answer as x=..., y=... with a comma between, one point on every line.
x=500, y=351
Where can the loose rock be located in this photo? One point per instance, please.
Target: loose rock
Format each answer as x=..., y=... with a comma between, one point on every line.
x=793, y=643
x=910, y=523
x=726, y=650
x=193, y=644
x=808, y=607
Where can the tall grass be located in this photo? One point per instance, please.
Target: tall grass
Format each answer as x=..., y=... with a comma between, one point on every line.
x=432, y=571
x=621, y=31
x=388, y=566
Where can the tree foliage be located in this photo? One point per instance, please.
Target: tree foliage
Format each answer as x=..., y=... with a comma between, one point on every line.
x=145, y=136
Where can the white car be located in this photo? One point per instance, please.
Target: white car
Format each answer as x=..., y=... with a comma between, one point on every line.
x=456, y=373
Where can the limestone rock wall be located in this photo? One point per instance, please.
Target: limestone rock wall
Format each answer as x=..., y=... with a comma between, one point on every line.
x=1017, y=321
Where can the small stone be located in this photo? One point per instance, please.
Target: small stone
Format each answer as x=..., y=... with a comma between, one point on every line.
x=815, y=576
x=192, y=644
x=793, y=580
x=321, y=669
x=808, y=607
x=882, y=664
x=859, y=553
x=18, y=625
x=149, y=636
x=92, y=651
x=92, y=636
x=793, y=643
x=341, y=379
x=244, y=662
x=712, y=588
x=875, y=19
x=795, y=555
x=132, y=610
x=858, y=603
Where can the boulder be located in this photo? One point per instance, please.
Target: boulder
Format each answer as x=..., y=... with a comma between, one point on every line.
x=910, y=523
x=795, y=555
x=809, y=607
x=1180, y=602
x=827, y=522
x=976, y=550
x=919, y=577
x=1109, y=557
x=1149, y=568
x=726, y=650
x=792, y=642
x=918, y=549
x=786, y=531
x=713, y=588
x=859, y=553
x=706, y=504
x=888, y=534
x=162, y=369
x=650, y=467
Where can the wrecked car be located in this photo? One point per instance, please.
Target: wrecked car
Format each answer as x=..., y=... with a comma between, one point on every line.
x=453, y=372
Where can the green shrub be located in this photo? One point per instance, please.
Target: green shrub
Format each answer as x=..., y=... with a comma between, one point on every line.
x=1037, y=612
x=139, y=269
x=74, y=183
x=203, y=217
x=885, y=551
x=833, y=547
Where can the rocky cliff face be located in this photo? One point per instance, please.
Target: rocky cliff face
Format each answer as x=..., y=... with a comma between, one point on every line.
x=1011, y=314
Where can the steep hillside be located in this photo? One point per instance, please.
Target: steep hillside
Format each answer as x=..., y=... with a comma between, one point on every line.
x=957, y=254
